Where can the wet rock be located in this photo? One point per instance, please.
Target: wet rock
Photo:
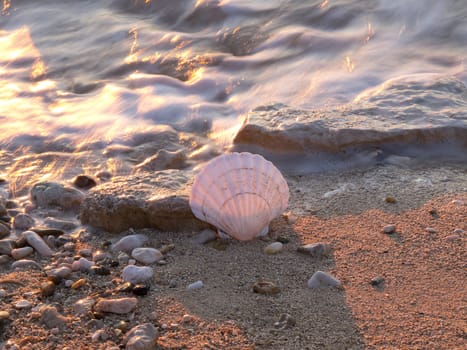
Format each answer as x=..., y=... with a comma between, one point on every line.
x=51, y=318
x=6, y=246
x=47, y=288
x=316, y=250
x=367, y=122
x=83, y=306
x=23, y=222
x=430, y=230
x=45, y=194
x=25, y=264
x=204, y=237
x=163, y=160
x=146, y=255
x=266, y=287
x=63, y=225
x=388, y=229
x=4, y=230
x=20, y=253
x=273, y=248
x=84, y=182
x=36, y=241
x=137, y=274
x=116, y=306
x=128, y=243
x=158, y=200
x=195, y=285
x=141, y=337
x=322, y=279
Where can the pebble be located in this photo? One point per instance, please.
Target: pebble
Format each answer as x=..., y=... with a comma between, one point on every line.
x=47, y=288
x=69, y=246
x=376, y=281
x=84, y=181
x=316, y=250
x=388, y=229
x=20, y=253
x=51, y=318
x=391, y=200
x=141, y=337
x=99, y=270
x=122, y=325
x=123, y=258
x=26, y=264
x=4, y=230
x=62, y=272
x=99, y=255
x=23, y=304
x=83, y=306
x=137, y=274
x=273, y=248
x=44, y=194
x=195, y=285
x=68, y=283
x=4, y=259
x=4, y=315
x=285, y=321
x=457, y=202
x=6, y=246
x=36, y=241
x=203, y=237
x=430, y=230
x=124, y=288
x=59, y=224
x=459, y=231
x=99, y=335
x=146, y=255
x=167, y=248
x=116, y=306
x=140, y=290
x=104, y=175
x=453, y=238
x=79, y=283
x=85, y=252
x=265, y=287
x=321, y=279
x=82, y=264
x=23, y=221
x=3, y=293
x=128, y=243
x=187, y=318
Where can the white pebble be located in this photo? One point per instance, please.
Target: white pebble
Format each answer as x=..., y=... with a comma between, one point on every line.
x=137, y=274
x=20, y=253
x=146, y=255
x=36, y=241
x=273, y=248
x=3, y=293
x=321, y=279
x=195, y=285
x=128, y=243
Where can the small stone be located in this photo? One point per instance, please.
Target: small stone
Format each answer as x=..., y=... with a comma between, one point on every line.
x=388, y=229
x=99, y=255
x=146, y=255
x=141, y=337
x=62, y=272
x=458, y=202
x=273, y=248
x=167, y=248
x=45, y=194
x=453, y=238
x=126, y=287
x=265, y=287
x=103, y=175
x=84, y=182
x=3, y=293
x=79, y=283
x=85, y=252
x=122, y=325
x=63, y=225
x=123, y=258
x=290, y=218
x=219, y=244
x=4, y=230
x=26, y=264
x=99, y=335
x=140, y=290
x=187, y=318
x=99, y=270
x=23, y=222
x=4, y=315
x=82, y=264
x=430, y=230
x=137, y=274
x=285, y=321
x=204, y=237
x=23, y=304
x=322, y=279
x=20, y=253
x=36, y=241
x=283, y=239
x=6, y=246
x=51, y=317
x=391, y=200
x=128, y=243
x=434, y=213
x=68, y=283
x=4, y=259
x=116, y=306
x=70, y=246
x=47, y=288
x=316, y=250
x=459, y=231
x=83, y=306
x=195, y=285
x=377, y=281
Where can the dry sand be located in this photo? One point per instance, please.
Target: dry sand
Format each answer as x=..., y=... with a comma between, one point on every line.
x=422, y=303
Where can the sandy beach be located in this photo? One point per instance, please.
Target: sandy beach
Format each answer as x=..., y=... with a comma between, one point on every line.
x=402, y=290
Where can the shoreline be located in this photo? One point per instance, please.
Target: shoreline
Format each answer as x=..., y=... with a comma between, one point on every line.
x=347, y=210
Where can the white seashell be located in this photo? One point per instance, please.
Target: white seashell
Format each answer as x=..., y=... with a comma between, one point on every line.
x=239, y=193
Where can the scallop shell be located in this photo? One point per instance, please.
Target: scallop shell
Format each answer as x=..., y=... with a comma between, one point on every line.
x=239, y=193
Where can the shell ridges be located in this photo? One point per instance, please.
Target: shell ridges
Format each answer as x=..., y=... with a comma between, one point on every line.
x=239, y=193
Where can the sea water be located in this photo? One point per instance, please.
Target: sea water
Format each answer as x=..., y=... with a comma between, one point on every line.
x=80, y=81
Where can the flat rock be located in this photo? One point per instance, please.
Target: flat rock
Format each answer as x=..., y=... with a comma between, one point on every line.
x=116, y=306
x=153, y=200
x=323, y=279
x=141, y=337
x=46, y=194
x=129, y=243
x=392, y=113
x=146, y=255
x=137, y=274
